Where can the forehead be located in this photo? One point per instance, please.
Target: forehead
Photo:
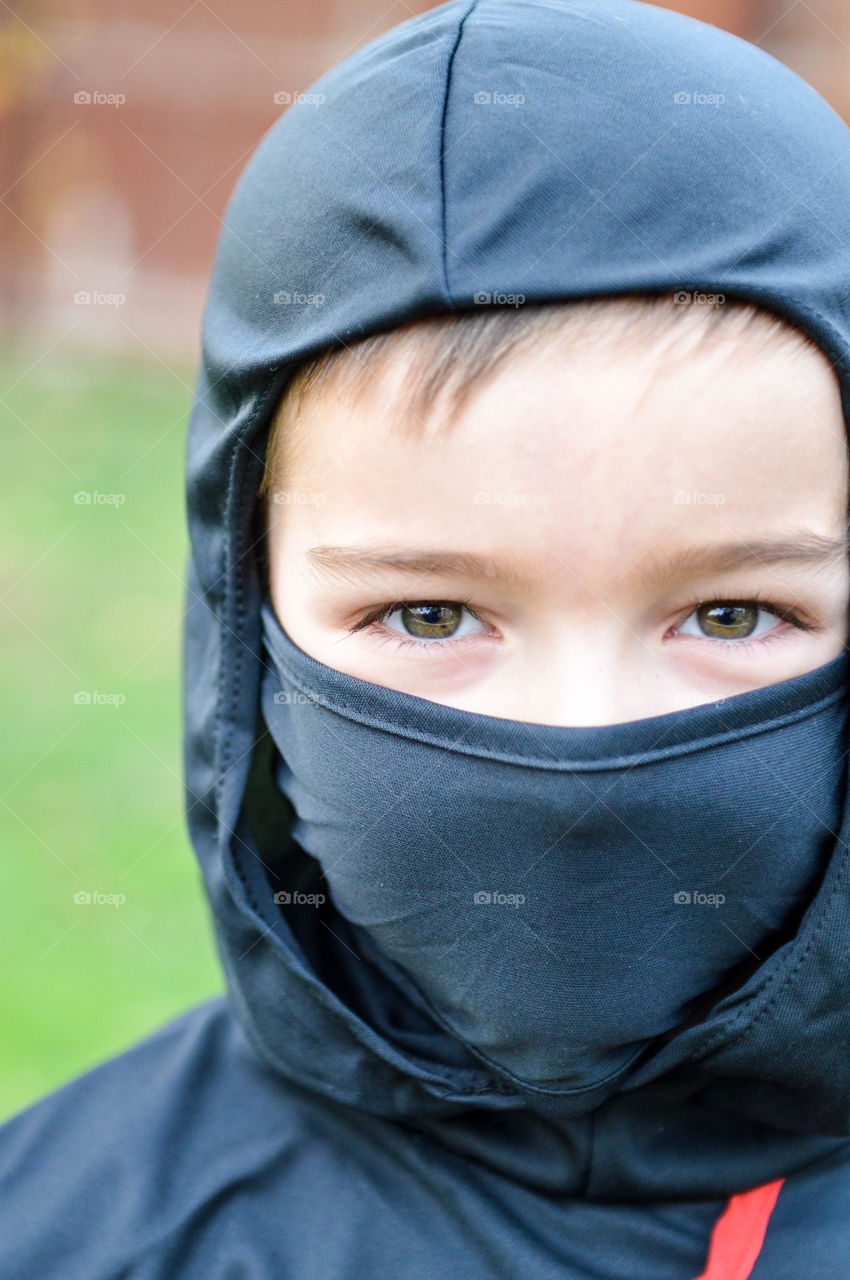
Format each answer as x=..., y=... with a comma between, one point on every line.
x=571, y=456
x=579, y=392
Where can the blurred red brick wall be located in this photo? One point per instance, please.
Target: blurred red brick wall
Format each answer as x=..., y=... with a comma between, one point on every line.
x=123, y=199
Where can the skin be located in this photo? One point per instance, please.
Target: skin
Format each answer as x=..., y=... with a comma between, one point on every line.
x=581, y=458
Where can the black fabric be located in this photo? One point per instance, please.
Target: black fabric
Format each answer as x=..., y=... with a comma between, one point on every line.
x=560, y=897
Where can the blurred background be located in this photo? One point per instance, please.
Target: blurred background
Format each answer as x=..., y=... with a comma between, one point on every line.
x=122, y=133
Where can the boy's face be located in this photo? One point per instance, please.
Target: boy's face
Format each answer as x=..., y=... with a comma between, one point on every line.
x=606, y=490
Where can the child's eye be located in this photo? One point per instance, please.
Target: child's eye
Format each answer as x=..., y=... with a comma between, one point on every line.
x=425, y=621
x=739, y=620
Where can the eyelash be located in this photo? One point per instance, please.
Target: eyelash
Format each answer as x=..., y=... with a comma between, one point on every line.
x=786, y=613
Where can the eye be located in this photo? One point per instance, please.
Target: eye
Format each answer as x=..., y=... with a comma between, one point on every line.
x=734, y=620
x=431, y=619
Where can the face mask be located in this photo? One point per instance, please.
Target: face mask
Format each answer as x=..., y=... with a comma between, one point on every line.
x=558, y=897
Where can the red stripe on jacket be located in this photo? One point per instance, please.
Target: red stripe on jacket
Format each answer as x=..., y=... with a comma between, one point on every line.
x=738, y=1234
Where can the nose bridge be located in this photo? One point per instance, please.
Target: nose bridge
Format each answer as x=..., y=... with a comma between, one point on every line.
x=591, y=671
x=590, y=693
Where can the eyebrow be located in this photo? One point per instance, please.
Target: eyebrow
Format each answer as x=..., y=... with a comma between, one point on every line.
x=805, y=547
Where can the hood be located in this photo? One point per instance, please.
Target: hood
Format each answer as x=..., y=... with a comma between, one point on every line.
x=651, y=152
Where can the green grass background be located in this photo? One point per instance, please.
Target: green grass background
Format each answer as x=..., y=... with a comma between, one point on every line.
x=92, y=799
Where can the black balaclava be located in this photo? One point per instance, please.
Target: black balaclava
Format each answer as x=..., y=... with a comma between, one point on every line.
x=562, y=896
x=559, y=150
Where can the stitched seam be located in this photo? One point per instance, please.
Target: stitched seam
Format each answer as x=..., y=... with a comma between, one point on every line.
x=443, y=217
x=732, y=1033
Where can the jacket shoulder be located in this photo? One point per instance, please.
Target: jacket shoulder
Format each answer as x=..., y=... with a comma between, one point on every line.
x=105, y=1169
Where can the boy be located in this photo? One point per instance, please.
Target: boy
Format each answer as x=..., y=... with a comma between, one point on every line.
x=526, y=856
